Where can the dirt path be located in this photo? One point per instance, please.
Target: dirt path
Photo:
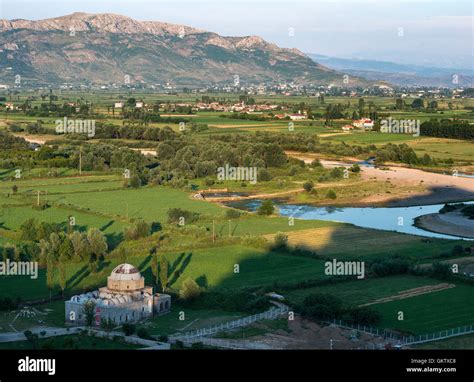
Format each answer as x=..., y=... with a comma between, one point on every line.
x=412, y=293
x=255, y=196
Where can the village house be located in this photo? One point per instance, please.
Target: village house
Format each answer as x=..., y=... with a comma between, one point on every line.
x=364, y=123
x=297, y=117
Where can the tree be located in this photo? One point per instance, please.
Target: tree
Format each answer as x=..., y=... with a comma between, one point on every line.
x=50, y=267
x=88, y=308
x=28, y=230
x=418, y=103
x=154, y=268
x=267, y=208
x=62, y=273
x=122, y=255
x=44, y=250
x=190, y=290
x=66, y=249
x=399, y=104
x=79, y=245
x=16, y=253
x=361, y=107
x=163, y=272
x=97, y=242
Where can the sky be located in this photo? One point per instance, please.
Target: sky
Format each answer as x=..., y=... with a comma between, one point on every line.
x=434, y=33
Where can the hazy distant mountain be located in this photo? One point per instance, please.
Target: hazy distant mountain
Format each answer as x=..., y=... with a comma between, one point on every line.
x=398, y=74
x=105, y=48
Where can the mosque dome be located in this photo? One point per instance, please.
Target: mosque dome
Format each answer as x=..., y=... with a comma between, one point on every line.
x=125, y=278
x=125, y=272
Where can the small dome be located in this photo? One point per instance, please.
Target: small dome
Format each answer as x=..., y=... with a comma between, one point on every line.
x=124, y=272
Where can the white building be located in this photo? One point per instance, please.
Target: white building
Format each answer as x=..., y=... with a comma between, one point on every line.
x=124, y=299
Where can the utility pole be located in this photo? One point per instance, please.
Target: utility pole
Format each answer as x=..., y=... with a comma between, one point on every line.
x=230, y=228
x=38, y=200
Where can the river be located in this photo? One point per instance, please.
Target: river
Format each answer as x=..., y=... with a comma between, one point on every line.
x=398, y=219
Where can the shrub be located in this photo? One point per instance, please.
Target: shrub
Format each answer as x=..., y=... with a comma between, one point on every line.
x=322, y=306
x=280, y=241
x=267, y=208
x=175, y=214
x=331, y=194
x=190, y=290
x=264, y=175
x=232, y=213
x=308, y=186
x=355, y=168
x=128, y=329
x=143, y=333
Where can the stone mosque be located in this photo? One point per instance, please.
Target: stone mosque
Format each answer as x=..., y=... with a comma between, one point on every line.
x=124, y=299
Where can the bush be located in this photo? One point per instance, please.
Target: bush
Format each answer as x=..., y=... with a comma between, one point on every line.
x=331, y=194
x=322, y=306
x=139, y=230
x=209, y=182
x=362, y=316
x=190, y=290
x=280, y=241
x=128, y=329
x=308, y=186
x=175, y=215
x=232, y=214
x=143, y=333
x=355, y=168
x=267, y=208
x=264, y=175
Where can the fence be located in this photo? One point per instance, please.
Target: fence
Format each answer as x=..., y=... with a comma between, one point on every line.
x=406, y=340
x=226, y=344
x=385, y=333
x=441, y=335
x=199, y=333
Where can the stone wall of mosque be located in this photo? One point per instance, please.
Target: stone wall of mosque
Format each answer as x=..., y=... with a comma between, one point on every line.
x=119, y=314
x=125, y=285
x=161, y=303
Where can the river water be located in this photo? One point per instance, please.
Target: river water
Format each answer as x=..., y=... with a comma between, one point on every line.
x=398, y=219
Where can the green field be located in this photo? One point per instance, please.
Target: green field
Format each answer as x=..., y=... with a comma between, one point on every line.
x=431, y=312
x=364, y=291
x=212, y=267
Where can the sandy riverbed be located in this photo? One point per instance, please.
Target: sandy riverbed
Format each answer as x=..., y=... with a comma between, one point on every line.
x=451, y=223
x=437, y=188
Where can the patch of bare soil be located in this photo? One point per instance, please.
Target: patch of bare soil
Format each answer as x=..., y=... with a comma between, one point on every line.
x=305, y=334
x=412, y=293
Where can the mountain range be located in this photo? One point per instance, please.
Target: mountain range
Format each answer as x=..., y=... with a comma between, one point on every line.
x=106, y=48
x=399, y=74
